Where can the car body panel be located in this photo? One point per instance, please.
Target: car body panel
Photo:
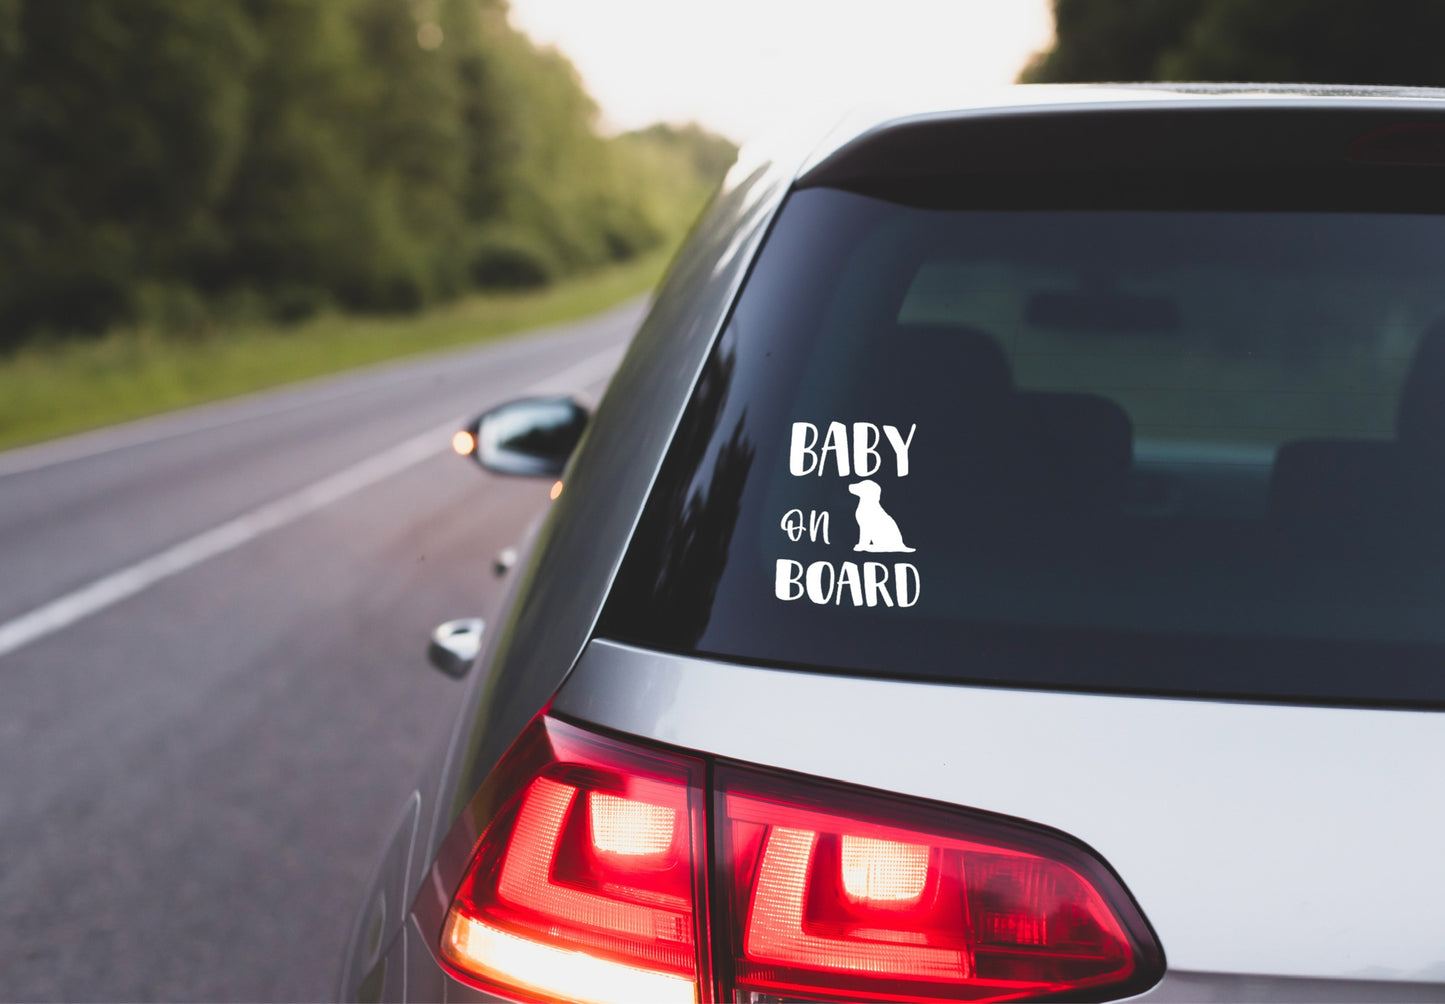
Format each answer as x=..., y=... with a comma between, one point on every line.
x=853, y=138
x=1256, y=838
x=1194, y=988
x=369, y=961
x=558, y=588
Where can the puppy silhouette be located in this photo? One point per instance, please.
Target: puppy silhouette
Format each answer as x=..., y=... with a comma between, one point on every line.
x=876, y=529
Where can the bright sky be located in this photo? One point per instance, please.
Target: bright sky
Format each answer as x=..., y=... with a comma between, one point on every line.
x=739, y=66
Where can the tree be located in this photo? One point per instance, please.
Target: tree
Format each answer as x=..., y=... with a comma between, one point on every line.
x=122, y=127
x=1294, y=41
x=165, y=162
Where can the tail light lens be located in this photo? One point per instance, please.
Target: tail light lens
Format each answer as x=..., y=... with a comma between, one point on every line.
x=589, y=883
x=585, y=885
x=838, y=892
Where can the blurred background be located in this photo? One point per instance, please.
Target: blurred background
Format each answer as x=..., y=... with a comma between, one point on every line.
x=174, y=170
x=210, y=706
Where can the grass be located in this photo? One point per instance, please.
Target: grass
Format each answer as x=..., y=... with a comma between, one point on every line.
x=56, y=389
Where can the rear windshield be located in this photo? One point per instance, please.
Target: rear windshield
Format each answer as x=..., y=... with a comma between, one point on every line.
x=1175, y=452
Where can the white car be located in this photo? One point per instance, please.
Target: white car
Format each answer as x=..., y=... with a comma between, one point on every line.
x=1009, y=564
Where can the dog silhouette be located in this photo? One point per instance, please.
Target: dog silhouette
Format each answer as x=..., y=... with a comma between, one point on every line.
x=877, y=530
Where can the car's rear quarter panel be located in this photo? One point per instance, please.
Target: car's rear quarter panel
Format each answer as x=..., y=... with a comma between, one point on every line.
x=1271, y=847
x=561, y=587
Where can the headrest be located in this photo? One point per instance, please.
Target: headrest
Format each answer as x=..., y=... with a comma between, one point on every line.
x=1420, y=418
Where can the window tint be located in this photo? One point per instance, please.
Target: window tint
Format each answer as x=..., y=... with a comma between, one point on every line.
x=1168, y=451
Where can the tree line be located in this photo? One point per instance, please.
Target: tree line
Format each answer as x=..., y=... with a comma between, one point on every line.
x=170, y=162
x=1263, y=41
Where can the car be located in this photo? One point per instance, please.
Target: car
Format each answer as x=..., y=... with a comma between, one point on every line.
x=1009, y=563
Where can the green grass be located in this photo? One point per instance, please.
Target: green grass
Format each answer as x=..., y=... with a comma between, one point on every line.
x=56, y=389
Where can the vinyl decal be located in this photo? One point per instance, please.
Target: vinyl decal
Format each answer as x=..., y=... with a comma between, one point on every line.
x=877, y=530
x=854, y=456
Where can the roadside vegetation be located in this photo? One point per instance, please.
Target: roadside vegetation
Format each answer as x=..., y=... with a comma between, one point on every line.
x=1263, y=41
x=54, y=388
x=199, y=199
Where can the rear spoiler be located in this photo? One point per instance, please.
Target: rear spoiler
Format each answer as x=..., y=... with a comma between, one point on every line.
x=1354, y=143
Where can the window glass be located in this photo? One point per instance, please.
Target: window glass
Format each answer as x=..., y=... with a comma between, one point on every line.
x=1168, y=451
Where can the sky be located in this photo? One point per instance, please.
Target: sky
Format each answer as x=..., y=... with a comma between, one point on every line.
x=741, y=67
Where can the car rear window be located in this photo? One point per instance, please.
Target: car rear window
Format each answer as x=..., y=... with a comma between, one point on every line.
x=1177, y=452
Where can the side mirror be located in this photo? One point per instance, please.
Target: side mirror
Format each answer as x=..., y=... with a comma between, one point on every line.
x=455, y=646
x=532, y=437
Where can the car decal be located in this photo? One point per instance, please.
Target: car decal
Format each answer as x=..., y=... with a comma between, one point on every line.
x=863, y=451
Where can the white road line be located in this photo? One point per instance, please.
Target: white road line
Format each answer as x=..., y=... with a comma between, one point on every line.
x=111, y=589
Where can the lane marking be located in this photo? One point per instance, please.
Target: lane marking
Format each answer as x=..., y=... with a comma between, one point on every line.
x=111, y=589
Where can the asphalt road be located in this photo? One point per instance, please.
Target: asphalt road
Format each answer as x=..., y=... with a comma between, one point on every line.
x=213, y=694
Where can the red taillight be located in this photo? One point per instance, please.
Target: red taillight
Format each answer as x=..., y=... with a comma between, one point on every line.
x=585, y=885
x=589, y=882
x=845, y=893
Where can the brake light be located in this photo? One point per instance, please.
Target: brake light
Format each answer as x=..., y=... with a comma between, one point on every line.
x=585, y=884
x=589, y=883
x=839, y=892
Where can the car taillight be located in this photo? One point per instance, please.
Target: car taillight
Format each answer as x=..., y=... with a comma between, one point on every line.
x=586, y=884
x=850, y=894
x=589, y=882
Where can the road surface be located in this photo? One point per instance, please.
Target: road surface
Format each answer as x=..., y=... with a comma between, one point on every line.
x=212, y=688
